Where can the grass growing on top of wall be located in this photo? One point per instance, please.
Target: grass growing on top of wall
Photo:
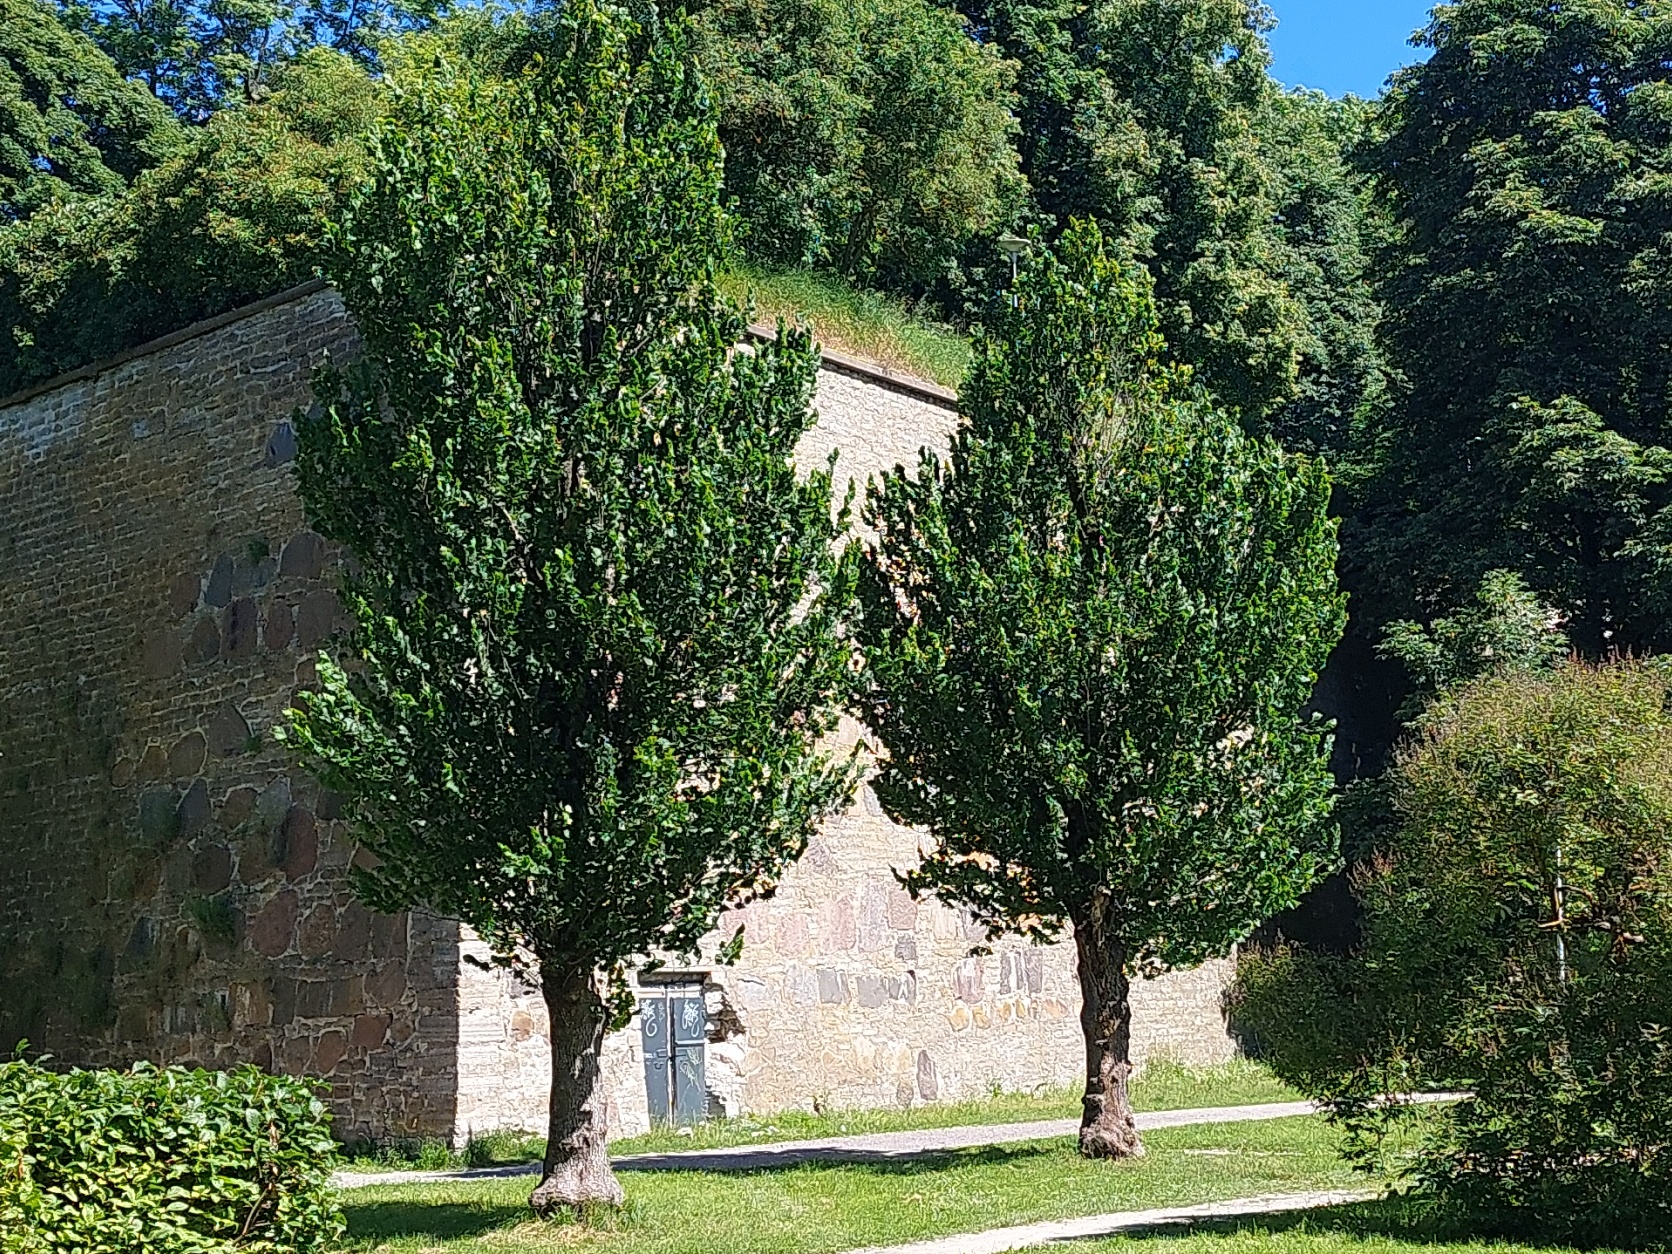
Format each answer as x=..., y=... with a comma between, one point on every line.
x=1160, y=1086
x=821, y=1208
x=858, y=323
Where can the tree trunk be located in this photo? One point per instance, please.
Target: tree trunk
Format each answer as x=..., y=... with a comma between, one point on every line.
x=577, y=1168
x=1106, y=1126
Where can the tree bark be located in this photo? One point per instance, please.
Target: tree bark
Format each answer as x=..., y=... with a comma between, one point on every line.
x=1106, y=1126
x=577, y=1167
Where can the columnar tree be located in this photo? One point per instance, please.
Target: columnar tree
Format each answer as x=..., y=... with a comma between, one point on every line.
x=595, y=611
x=1090, y=634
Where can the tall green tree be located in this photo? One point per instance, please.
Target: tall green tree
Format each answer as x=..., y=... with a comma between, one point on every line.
x=1090, y=634
x=1143, y=116
x=595, y=610
x=1324, y=230
x=238, y=211
x=70, y=124
x=871, y=138
x=1528, y=300
x=201, y=55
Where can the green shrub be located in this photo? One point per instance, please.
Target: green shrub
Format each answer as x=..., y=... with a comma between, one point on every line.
x=166, y=1161
x=1517, y=942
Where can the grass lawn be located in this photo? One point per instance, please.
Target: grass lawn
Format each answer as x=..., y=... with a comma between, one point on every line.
x=860, y=324
x=815, y=1209
x=1159, y=1086
x=1391, y=1226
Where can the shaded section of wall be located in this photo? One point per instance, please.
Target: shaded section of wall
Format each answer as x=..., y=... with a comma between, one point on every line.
x=169, y=888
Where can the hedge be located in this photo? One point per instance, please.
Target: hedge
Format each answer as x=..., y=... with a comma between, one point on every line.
x=166, y=1161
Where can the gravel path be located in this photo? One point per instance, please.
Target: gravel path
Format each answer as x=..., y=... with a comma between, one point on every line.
x=1025, y=1236
x=857, y=1149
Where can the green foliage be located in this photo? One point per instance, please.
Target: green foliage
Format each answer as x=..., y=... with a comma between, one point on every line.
x=1090, y=634
x=1507, y=629
x=872, y=138
x=1144, y=115
x=167, y=1161
x=70, y=124
x=215, y=918
x=595, y=610
x=1322, y=240
x=200, y=56
x=1528, y=308
x=238, y=214
x=850, y=320
x=590, y=685
x=1517, y=934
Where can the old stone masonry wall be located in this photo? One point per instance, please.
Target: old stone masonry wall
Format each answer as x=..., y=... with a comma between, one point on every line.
x=168, y=888
x=171, y=889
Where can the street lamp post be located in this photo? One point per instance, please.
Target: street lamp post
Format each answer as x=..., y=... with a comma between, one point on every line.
x=1013, y=246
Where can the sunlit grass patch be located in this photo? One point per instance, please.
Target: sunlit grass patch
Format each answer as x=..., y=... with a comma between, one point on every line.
x=822, y=1208
x=848, y=320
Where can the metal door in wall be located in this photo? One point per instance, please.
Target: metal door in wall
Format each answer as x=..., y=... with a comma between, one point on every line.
x=674, y=1025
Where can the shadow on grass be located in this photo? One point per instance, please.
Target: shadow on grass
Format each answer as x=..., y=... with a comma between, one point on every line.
x=429, y=1219
x=413, y=1216
x=1414, y=1221
x=767, y=1161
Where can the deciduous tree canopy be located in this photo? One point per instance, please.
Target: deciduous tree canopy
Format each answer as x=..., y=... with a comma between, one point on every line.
x=70, y=124
x=1090, y=635
x=1529, y=306
x=871, y=138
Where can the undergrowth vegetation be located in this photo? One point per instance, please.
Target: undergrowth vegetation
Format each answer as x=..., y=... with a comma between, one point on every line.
x=169, y=1161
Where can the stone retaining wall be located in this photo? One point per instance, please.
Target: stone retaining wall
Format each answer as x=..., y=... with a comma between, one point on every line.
x=171, y=889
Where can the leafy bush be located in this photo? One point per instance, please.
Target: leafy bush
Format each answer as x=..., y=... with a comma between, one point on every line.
x=167, y=1161
x=1517, y=942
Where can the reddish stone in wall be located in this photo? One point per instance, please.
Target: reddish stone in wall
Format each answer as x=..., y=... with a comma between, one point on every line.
x=187, y=756
x=281, y=626
x=211, y=869
x=315, y=618
x=319, y=929
x=329, y=1051
x=369, y=1031
x=182, y=594
x=274, y=925
x=205, y=642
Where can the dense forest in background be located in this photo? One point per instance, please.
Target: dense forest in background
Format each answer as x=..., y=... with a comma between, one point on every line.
x=1459, y=295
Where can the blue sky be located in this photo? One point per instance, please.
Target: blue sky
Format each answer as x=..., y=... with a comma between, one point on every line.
x=1342, y=46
